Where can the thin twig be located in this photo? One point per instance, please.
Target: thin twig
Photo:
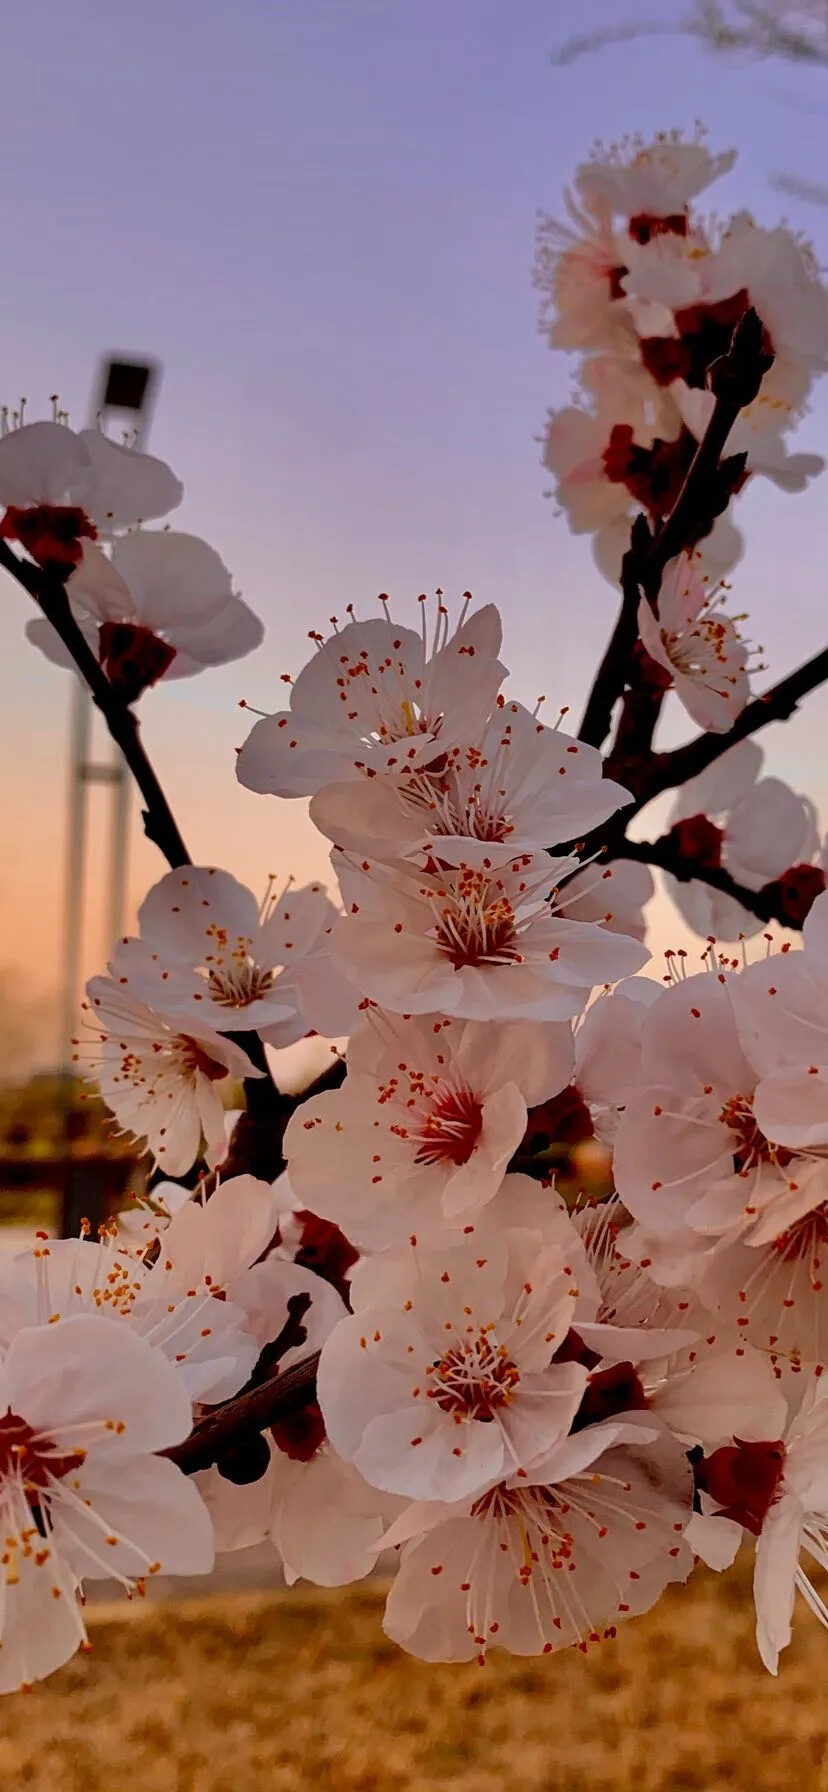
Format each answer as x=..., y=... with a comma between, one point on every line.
x=247, y=1416
x=160, y=826
x=735, y=380
x=50, y=595
x=776, y=705
x=664, y=853
x=614, y=669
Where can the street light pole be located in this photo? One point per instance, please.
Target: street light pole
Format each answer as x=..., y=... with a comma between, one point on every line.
x=125, y=391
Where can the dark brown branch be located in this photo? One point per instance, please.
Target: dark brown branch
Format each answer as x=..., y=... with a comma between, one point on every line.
x=160, y=826
x=49, y=594
x=776, y=705
x=735, y=380
x=244, y=1418
x=614, y=670
x=258, y=1136
x=767, y=904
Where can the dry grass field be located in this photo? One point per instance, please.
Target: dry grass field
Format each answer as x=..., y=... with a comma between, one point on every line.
x=282, y=1691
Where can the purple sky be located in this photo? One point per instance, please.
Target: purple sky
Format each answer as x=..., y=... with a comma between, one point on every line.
x=320, y=214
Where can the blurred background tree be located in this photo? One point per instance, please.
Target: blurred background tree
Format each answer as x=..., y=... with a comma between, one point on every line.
x=798, y=33
x=762, y=29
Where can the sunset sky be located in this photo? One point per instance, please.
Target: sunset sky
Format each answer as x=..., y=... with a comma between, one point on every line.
x=319, y=214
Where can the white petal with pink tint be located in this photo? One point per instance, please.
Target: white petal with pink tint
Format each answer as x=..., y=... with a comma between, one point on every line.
x=454, y=1384
x=377, y=698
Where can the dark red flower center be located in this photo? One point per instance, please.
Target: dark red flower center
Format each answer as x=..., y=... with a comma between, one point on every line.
x=612, y=1390
x=133, y=657
x=52, y=533
x=645, y=225
x=195, y=1057
x=474, y=1379
x=750, y=1144
x=743, y=1479
x=35, y=1458
x=798, y=889
x=699, y=838
x=653, y=476
x=300, y=1435
x=449, y=1132
x=704, y=335
x=326, y=1251
x=564, y=1119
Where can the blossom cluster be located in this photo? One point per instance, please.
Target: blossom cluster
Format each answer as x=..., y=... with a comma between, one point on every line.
x=547, y=1265
x=646, y=292
x=550, y=1411
x=159, y=602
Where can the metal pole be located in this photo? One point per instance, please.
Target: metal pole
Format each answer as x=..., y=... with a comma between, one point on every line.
x=81, y=721
x=125, y=387
x=119, y=849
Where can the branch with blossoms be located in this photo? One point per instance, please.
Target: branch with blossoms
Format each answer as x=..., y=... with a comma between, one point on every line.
x=108, y=683
x=530, y=1277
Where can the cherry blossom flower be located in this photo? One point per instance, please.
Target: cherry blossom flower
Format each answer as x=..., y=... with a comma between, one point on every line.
x=771, y=1484
x=442, y=1379
x=265, y=1291
x=607, y=469
x=721, y=1207
x=557, y=1557
x=659, y=1351
x=616, y=895
x=653, y=183
x=326, y=1524
x=263, y=966
x=183, y=1298
x=475, y=942
x=378, y=698
x=424, y=1128
x=608, y=1044
x=796, y=1519
x=757, y=433
x=754, y=827
x=159, y=1076
x=662, y=276
x=87, y=1402
x=775, y=273
x=141, y=1224
x=645, y=442
x=590, y=469
x=781, y=1011
x=176, y=1299
x=163, y=605
x=61, y=488
x=520, y=787
x=698, y=644
x=580, y=270
x=572, y=1129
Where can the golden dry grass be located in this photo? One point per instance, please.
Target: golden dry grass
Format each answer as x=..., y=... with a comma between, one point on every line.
x=301, y=1690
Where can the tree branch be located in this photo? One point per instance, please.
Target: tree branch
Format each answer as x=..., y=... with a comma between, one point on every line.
x=614, y=669
x=735, y=380
x=767, y=904
x=50, y=595
x=244, y=1418
x=160, y=826
x=776, y=705
x=256, y=1148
